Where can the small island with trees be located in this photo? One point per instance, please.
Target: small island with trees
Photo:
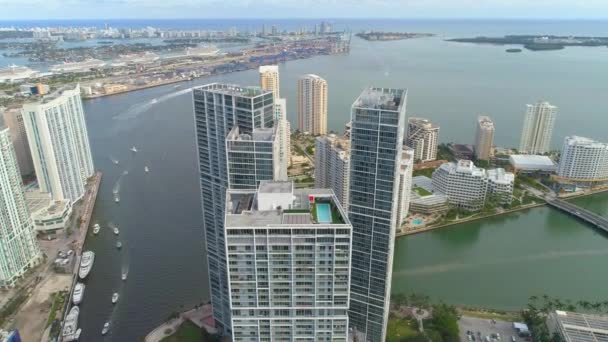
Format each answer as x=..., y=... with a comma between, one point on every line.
x=386, y=36
x=537, y=42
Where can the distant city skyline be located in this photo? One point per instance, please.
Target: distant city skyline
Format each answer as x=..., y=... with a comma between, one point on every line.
x=148, y=9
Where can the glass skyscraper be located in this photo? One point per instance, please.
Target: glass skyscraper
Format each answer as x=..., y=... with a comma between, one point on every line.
x=378, y=127
x=217, y=109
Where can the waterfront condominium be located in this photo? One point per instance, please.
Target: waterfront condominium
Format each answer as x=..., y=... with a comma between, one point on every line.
x=538, y=128
x=312, y=105
x=218, y=108
x=377, y=135
x=468, y=186
x=405, y=183
x=583, y=160
x=288, y=256
x=422, y=136
x=18, y=247
x=269, y=81
x=332, y=165
x=59, y=142
x=13, y=118
x=484, y=138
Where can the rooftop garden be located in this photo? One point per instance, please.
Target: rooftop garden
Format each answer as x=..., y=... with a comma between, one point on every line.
x=421, y=191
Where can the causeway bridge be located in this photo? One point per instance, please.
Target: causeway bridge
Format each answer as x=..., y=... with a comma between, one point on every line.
x=590, y=217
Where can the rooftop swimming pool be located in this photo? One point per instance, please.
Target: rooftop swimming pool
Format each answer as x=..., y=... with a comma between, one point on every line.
x=323, y=213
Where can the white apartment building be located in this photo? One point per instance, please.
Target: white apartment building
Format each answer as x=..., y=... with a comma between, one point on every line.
x=422, y=137
x=583, y=159
x=332, y=166
x=288, y=257
x=19, y=249
x=500, y=184
x=59, y=141
x=538, y=128
x=269, y=79
x=312, y=104
x=467, y=186
x=484, y=138
x=405, y=183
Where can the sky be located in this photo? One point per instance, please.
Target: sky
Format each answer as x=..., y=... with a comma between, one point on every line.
x=109, y=9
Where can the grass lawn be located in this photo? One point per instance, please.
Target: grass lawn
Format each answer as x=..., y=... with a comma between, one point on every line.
x=187, y=332
x=504, y=316
x=422, y=191
x=399, y=328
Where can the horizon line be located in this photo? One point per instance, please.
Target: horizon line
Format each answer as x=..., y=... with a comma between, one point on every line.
x=325, y=18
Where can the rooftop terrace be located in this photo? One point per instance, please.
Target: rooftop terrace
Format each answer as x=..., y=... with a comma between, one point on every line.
x=381, y=98
x=233, y=89
x=279, y=204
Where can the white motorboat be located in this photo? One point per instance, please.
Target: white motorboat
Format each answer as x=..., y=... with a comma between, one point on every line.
x=118, y=245
x=115, y=298
x=146, y=169
x=106, y=328
x=86, y=263
x=124, y=276
x=116, y=199
x=70, y=325
x=134, y=149
x=78, y=294
x=116, y=231
x=96, y=229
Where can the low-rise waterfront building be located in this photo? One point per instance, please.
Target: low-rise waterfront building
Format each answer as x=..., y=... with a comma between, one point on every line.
x=531, y=163
x=462, y=151
x=467, y=186
x=424, y=200
x=578, y=327
x=422, y=136
x=332, y=165
x=583, y=160
x=288, y=257
x=48, y=216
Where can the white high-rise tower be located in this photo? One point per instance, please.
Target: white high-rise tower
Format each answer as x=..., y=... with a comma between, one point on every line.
x=312, y=104
x=59, y=141
x=538, y=128
x=270, y=81
x=18, y=247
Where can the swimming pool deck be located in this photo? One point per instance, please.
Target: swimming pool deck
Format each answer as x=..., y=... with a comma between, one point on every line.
x=324, y=213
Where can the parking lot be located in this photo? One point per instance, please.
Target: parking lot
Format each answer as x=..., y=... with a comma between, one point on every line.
x=486, y=327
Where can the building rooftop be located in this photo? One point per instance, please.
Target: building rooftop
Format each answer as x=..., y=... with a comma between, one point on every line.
x=381, y=98
x=485, y=122
x=233, y=89
x=500, y=176
x=258, y=134
x=586, y=142
x=279, y=204
x=531, y=161
x=463, y=166
x=425, y=123
x=339, y=143
x=579, y=327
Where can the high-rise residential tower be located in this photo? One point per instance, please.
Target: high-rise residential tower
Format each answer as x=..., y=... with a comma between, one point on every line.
x=332, y=165
x=288, y=253
x=405, y=183
x=270, y=81
x=312, y=104
x=422, y=137
x=583, y=160
x=538, y=128
x=13, y=118
x=484, y=138
x=18, y=247
x=218, y=108
x=377, y=135
x=59, y=142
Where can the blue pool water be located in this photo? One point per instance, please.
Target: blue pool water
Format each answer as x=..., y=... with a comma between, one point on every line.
x=417, y=221
x=323, y=213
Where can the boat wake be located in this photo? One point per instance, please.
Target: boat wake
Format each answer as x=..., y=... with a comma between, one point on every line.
x=137, y=109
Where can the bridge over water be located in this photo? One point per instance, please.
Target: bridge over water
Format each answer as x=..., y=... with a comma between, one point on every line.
x=590, y=217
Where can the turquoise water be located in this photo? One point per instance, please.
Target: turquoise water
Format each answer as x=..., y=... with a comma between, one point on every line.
x=417, y=221
x=323, y=213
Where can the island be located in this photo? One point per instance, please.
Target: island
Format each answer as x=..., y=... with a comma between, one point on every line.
x=513, y=50
x=385, y=36
x=537, y=42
